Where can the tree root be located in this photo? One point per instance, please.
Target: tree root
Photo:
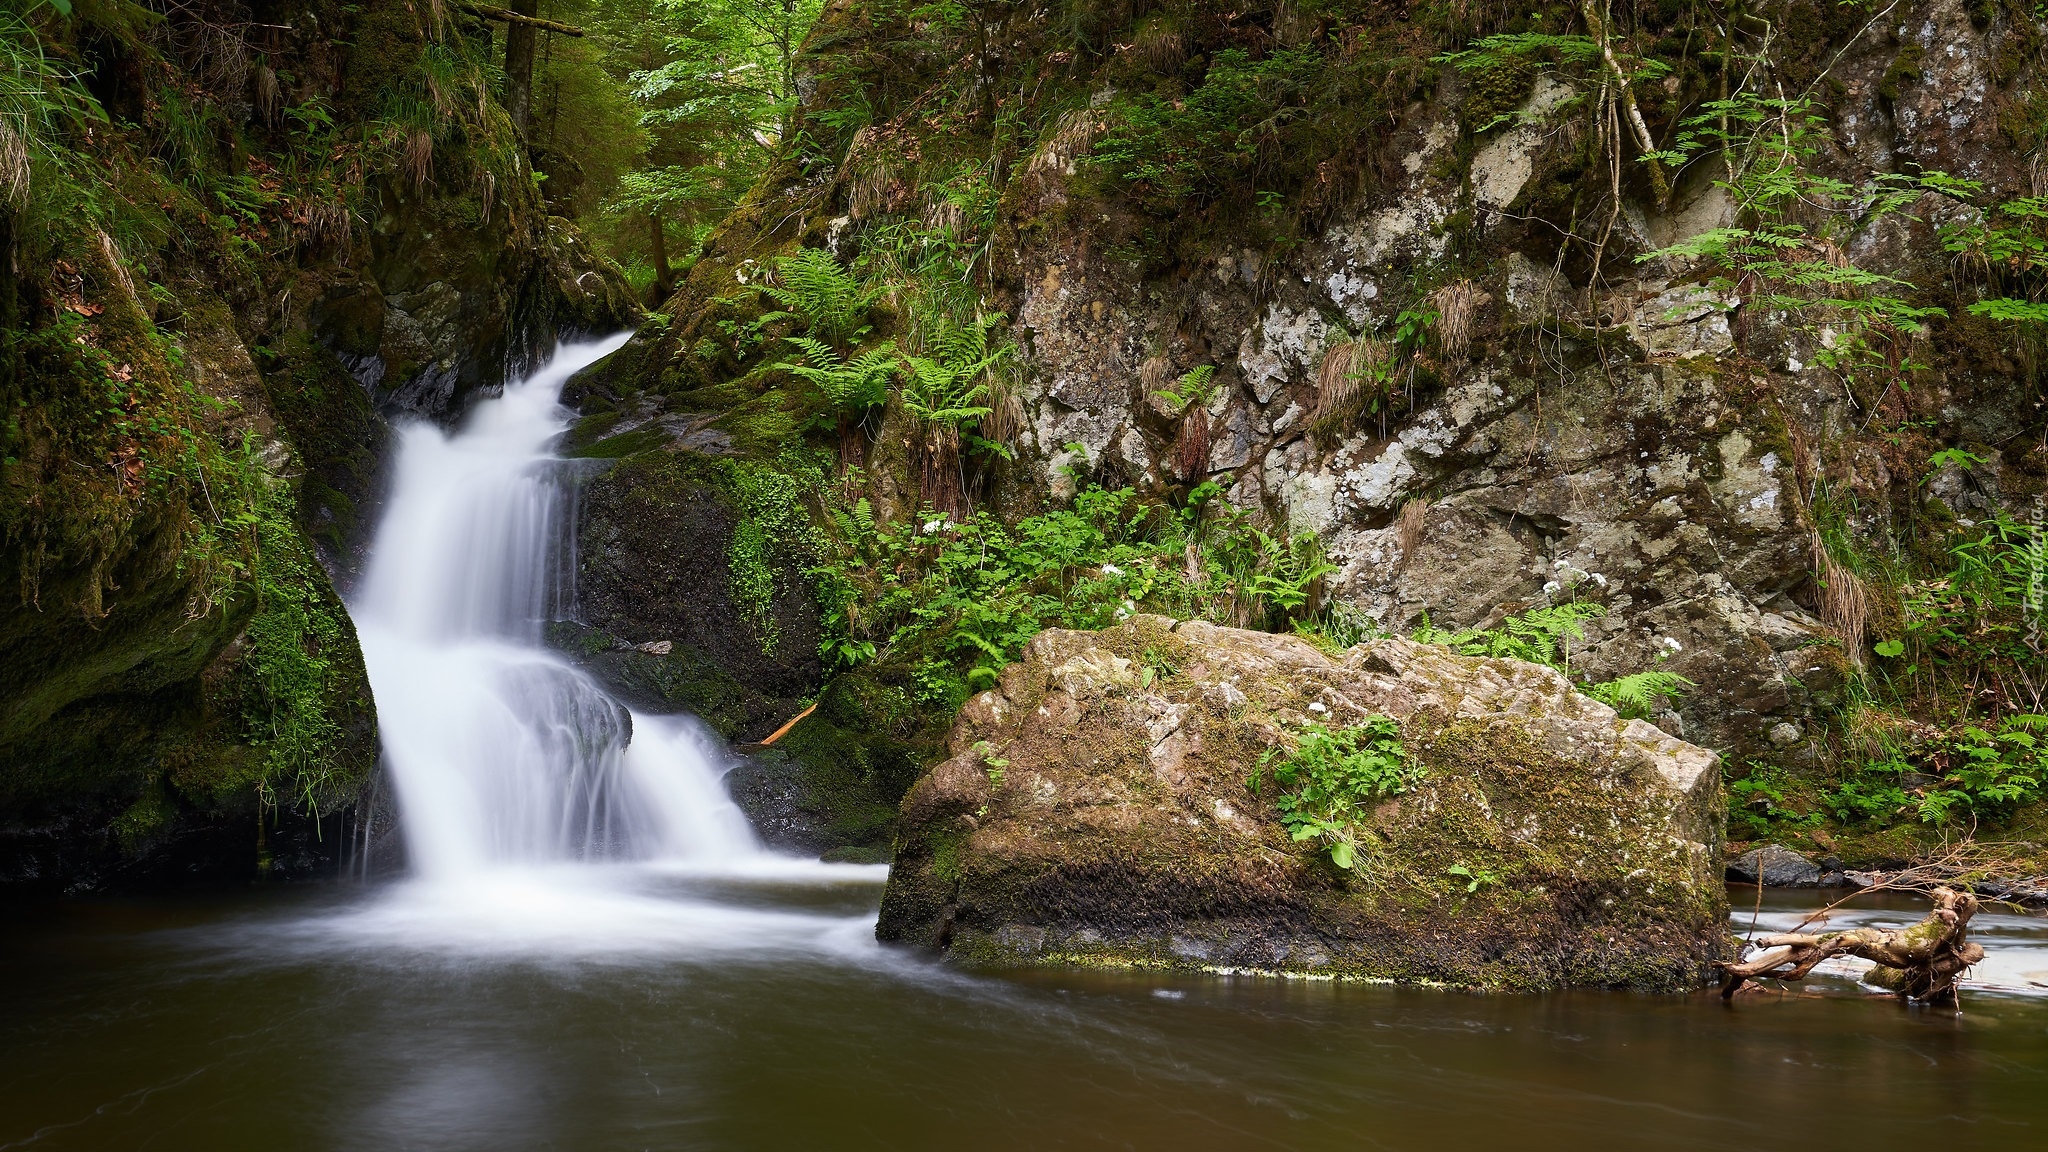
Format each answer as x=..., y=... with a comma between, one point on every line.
x=1922, y=962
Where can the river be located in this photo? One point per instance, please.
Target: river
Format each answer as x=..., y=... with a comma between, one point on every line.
x=591, y=951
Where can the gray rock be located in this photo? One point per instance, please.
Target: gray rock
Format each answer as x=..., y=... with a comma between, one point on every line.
x=1779, y=866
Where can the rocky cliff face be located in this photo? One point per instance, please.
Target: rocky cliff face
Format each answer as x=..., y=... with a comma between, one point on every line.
x=1097, y=809
x=292, y=222
x=1651, y=441
x=1463, y=329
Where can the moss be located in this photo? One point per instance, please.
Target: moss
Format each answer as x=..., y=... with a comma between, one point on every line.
x=1902, y=73
x=1496, y=92
x=336, y=431
x=618, y=447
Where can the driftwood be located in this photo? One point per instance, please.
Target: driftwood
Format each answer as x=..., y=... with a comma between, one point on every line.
x=1922, y=962
x=489, y=12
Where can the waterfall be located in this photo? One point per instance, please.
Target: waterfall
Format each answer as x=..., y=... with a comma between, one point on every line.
x=502, y=753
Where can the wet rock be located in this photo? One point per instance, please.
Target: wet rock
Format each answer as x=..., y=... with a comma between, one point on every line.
x=1122, y=828
x=1777, y=865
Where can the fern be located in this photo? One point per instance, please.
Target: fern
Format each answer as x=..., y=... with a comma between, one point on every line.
x=1494, y=51
x=854, y=385
x=1540, y=635
x=1194, y=390
x=1640, y=694
x=948, y=388
x=829, y=300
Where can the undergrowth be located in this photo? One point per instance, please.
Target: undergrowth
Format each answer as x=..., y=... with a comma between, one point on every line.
x=958, y=600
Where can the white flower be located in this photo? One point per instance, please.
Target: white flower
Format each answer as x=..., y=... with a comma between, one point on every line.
x=1599, y=579
x=1317, y=706
x=931, y=526
x=1673, y=644
x=1552, y=587
x=1111, y=570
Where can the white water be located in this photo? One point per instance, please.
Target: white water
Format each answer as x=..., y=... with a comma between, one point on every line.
x=539, y=815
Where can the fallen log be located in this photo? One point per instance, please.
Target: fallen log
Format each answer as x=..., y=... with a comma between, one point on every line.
x=1922, y=962
x=489, y=12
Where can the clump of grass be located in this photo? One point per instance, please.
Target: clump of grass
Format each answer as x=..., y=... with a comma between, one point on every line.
x=1844, y=602
x=1409, y=524
x=1457, y=310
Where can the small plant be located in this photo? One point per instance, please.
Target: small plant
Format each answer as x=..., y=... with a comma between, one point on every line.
x=990, y=762
x=1475, y=878
x=1156, y=666
x=1759, y=803
x=1540, y=635
x=1196, y=387
x=1334, y=776
x=1640, y=694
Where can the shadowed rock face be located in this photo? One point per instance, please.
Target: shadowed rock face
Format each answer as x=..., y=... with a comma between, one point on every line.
x=1122, y=830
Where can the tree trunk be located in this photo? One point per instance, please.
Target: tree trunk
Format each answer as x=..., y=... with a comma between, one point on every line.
x=664, y=276
x=519, y=40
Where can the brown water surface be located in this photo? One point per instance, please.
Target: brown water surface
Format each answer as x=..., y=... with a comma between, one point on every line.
x=262, y=1021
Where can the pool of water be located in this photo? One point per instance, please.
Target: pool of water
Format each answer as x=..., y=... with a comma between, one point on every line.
x=668, y=1009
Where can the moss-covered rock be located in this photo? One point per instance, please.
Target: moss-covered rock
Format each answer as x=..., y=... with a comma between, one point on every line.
x=1097, y=810
x=663, y=560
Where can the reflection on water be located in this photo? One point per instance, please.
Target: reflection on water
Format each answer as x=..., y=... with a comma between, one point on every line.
x=755, y=1011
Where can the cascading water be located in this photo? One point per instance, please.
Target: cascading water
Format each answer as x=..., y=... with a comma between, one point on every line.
x=501, y=752
x=536, y=809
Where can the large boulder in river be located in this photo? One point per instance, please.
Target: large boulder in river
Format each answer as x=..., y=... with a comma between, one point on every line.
x=1096, y=810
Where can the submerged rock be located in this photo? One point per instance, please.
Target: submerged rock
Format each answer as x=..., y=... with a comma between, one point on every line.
x=1096, y=810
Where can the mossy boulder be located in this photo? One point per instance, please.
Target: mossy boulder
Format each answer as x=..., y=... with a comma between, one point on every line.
x=658, y=566
x=1096, y=810
x=832, y=783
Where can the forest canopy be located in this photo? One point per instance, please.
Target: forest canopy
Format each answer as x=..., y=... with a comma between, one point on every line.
x=656, y=120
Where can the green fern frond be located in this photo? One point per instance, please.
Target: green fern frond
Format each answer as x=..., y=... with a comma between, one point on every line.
x=829, y=300
x=852, y=386
x=1640, y=694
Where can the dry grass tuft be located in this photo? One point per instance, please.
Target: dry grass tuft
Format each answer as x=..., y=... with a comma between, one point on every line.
x=1155, y=375
x=486, y=186
x=416, y=158
x=1409, y=524
x=1336, y=380
x=1070, y=140
x=1352, y=372
x=269, y=95
x=1844, y=603
x=867, y=177
x=1005, y=419
x=1160, y=45
x=942, y=215
x=14, y=165
x=1457, y=309
x=1191, y=448
x=328, y=224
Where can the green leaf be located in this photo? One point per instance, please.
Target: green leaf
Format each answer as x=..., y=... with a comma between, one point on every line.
x=1891, y=648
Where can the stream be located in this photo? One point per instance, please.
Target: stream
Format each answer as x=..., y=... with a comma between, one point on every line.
x=591, y=951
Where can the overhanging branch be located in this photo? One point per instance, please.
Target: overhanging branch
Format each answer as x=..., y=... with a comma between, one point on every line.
x=487, y=12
